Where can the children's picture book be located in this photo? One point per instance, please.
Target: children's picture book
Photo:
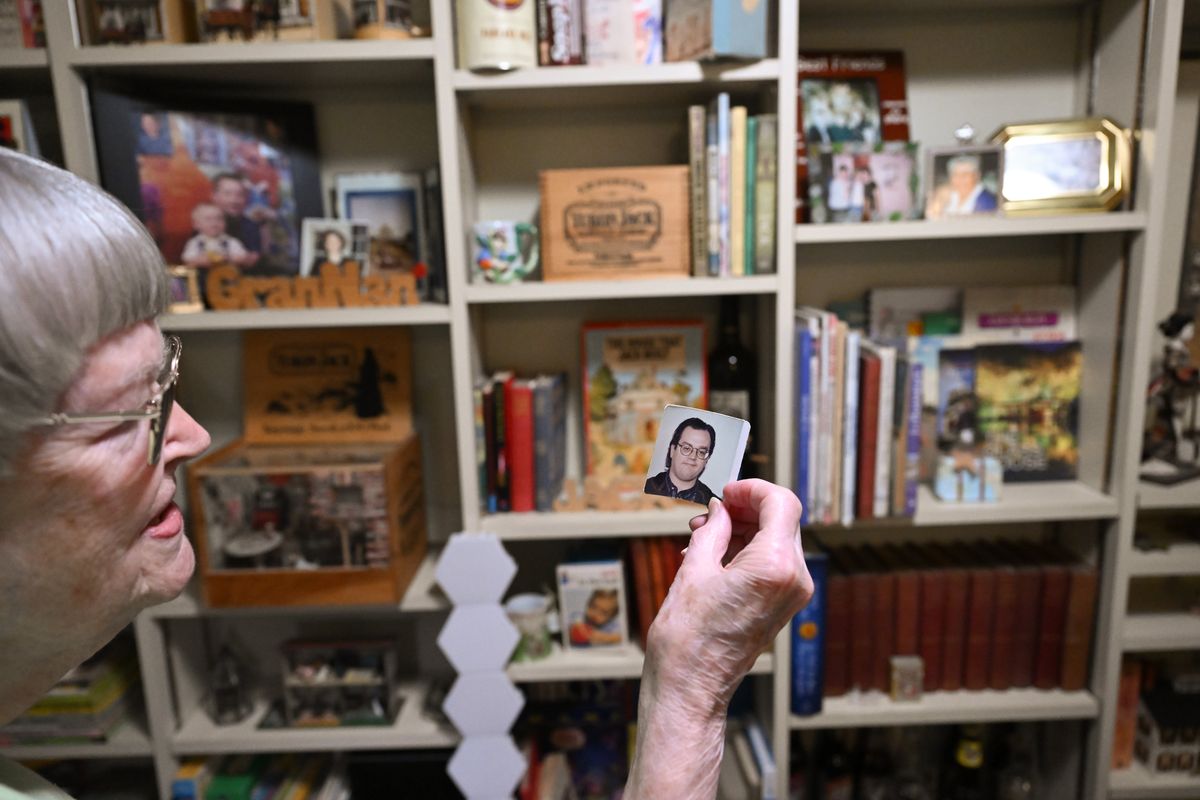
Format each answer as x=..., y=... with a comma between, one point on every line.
x=957, y=417
x=696, y=454
x=631, y=371
x=591, y=599
x=847, y=97
x=1028, y=398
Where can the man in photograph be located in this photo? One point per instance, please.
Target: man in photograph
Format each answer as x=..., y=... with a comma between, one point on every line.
x=229, y=195
x=967, y=195
x=687, y=455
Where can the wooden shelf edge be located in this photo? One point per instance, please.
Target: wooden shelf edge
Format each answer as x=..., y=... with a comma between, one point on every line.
x=916, y=230
x=937, y=708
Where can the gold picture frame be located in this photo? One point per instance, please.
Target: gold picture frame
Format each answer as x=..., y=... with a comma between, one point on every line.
x=185, y=290
x=1069, y=166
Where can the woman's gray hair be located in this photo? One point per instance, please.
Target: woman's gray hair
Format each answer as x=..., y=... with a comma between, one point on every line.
x=75, y=266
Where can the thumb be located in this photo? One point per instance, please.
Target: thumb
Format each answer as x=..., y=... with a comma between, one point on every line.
x=711, y=540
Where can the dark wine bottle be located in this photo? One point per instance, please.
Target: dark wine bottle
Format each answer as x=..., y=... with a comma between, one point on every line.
x=733, y=378
x=964, y=776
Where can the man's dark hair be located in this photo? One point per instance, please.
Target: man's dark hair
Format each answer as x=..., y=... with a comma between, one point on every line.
x=696, y=424
x=227, y=176
x=1173, y=325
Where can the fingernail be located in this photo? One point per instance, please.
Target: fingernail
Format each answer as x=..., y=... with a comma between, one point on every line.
x=683, y=551
x=714, y=504
x=699, y=519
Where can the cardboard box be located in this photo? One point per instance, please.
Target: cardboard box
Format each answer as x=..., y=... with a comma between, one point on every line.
x=708, y=29
x=315, y=525
x=619, y=222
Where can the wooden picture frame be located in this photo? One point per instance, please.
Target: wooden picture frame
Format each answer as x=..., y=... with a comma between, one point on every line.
x=185, y=290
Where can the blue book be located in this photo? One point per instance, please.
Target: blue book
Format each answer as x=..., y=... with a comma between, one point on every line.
x=804, y=352
x=719, y=110
x=739, y=29
x=808, y=642
x=912, y=460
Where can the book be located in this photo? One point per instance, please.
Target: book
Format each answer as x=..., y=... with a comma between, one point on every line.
x=808, y=641
x=805, y=335
x=862, y=620
x=838, y=622
x=643, y=585
x=658, y=571
x=957, y=412
x=1052, y=617
x=631, y=372
x=1028, y=396
x=882, y=631
x=837, y=407
x=737, y=190
x=1125, y=726
x=766, y=171
x=500, y=396
x=491, y=488
x=560, y=26
x=697, y=175
x=908, y=599
x=591, y=600
x=518, y=408
x=846, y=97
x=912, y=437
x=712, y=192
x=481, y=440
x=1019, y=314
x=1005, y=621
x=895, y=314
x=764, y=757
x=879, y=484
x=609, y=33
x=720, y=110
x=700, y=30
x=549, y=420
x=931, y=630
x=751, y=165
x=981, y=612
x=850, y=385
x=954, y=630
x=868, y=440
x=1077, y=628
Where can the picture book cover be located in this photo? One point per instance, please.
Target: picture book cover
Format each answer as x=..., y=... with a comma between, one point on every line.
x=591, y=599
x=956, y=401
x=631, y=371
x=1019, y=314
x=1028, y=398
x=847, y=97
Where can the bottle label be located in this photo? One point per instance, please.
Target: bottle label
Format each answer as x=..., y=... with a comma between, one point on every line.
x=734, y=402
x=970, y=754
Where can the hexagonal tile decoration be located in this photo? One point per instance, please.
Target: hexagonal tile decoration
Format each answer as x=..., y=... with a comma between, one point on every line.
x=475, y=568
x=478, y=638
x=483, y=703
x=486, y=767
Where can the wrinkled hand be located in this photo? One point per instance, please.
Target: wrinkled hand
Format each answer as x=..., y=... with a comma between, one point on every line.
x=742, y=580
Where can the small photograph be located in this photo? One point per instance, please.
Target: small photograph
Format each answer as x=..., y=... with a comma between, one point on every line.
x=333, y=241
x=841, y=110
x=127, y=21
x=864, y=183
x=964, y=181
x=390, y=204
x=696, y=454
x=591, y=597
x=185, y=290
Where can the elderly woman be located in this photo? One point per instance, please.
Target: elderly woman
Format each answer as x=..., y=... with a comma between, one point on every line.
x=91, y=439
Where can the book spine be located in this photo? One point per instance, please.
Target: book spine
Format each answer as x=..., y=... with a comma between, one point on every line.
x=912, y=432
x=543, y=443
x=765, y=201
x=850, y=427
x=669, y=564
x=861, y=630
x=883, y=436
x=519, y=442
x=1024, y=649
x=837, y=633
x=560, y=32
x=643, y=587
x=808, y=635
x=900, y=440
x=837, y=408
x=493, y=459
x=723, y=172
x=558, y=451
x=737, y=191
x=750, y=163
x=1047, y=669
x=542, y=12
x=804, y=348
x=1003, y=629
x=884, y=631
x=657, y=572
x=868, y=438
x=908, y=613
x=480, y=444
x=814, y=420
x=955, y=628
x=712, y=160
x=763, y=757
x=1077, y=631
x=933, y=626
x=981, y=608
x=502, y=449
x=699, y=181
x=1125, y=727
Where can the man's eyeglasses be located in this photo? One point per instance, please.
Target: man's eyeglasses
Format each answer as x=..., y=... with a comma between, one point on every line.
x=157, y=410
x=687, y=451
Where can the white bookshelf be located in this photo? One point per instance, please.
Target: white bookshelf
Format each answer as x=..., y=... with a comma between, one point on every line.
x=1138, y=783
x=590, y=665
x=235, y=53
x=874, y=708
x=971, y=228
x=562, y=291
x=1153, y=497
x=764, y=71
x=589, y=524
x=23, y=58
x=412, y=729
x=1178, y=559
x=128, y=739
x=259, y=319
x=1161, y=632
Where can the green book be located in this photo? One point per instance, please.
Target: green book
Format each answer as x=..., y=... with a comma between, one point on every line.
x=751, y=182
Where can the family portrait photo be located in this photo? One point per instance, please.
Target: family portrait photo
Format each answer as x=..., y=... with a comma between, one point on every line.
x=696, y=454
x=841, y=110
x=964, y=181
x=864, y=183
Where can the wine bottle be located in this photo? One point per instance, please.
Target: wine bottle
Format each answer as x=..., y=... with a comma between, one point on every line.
x=732, y=377
x=964, y=773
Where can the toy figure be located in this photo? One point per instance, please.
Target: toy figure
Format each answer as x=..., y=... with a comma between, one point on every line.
x=1176, y=385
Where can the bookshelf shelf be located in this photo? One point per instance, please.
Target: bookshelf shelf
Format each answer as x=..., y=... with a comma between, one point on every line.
x=937, y=708
x=1138, y=782
x=764, y=71
x=423, y=314
x=619, y=290
x=1031, y=502
x=1178, y=559
x=22, y=58
x=1151, y=496
x=128, y=740
x=589, y=524
x=412, y=729
x=984, y=227
x=423, y=595
x=587, y=666
x=1160, y=632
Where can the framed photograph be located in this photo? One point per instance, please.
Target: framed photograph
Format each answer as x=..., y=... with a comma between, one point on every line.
x=185, y=290
x=1074, y=165
x=333, y=241
x=391, y=205
x=249, y=20
x=216, y=183
x=128, y=21
x=863, y=183
x=963, y=181
x=841, y=110
x=697, y=452
x=16, y=128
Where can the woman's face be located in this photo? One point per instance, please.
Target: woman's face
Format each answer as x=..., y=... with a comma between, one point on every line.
x=104, y=537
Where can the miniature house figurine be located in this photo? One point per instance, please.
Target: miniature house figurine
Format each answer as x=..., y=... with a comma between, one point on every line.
x=230, y=699
x=336, y=683
x=1172, y=407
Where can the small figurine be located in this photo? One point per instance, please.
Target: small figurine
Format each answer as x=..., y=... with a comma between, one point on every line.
x=1172, y=397
x=229, y=700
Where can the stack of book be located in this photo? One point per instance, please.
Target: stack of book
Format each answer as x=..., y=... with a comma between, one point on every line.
x=520, y=441
x=858, y=410
x=990, y=614
x=281, y=777
x=733, y=161
x=654, y=561
x=85, y=705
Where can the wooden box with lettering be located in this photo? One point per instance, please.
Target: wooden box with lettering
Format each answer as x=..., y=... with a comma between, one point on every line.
x=618, y=222
x=308, y=525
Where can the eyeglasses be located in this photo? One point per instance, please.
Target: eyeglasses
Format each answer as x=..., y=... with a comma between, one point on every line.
x=157, y=410
x=687, y=451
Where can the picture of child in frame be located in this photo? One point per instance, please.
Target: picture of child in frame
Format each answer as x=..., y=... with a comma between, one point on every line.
x=693, y=443
x=591, y=601
x=334, y=241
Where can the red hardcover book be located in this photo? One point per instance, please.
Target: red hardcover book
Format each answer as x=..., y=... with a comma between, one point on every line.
x=658, y=588
x=643, y=588
x=1125, y=727
x=868, y=434
x=667, y=554
x=907, y=611
x=518, y=406
x=838, y=604
x=1056, y=585
x=955, y=628
x=883, y=617
x=1004, y=622
x=862, y=622
x=1077, y=631
x=981, y=610
x=1028, y=613
x=932, y=614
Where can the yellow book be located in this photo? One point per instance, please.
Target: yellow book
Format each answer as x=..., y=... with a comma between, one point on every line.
x=737, y=190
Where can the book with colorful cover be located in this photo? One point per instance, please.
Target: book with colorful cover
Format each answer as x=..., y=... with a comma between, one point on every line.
x=956, y=405
x=1028, y=397
x=847, y=97
x=766, y=170
x=808, y=642
x=631, y=371
x=737, y=190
